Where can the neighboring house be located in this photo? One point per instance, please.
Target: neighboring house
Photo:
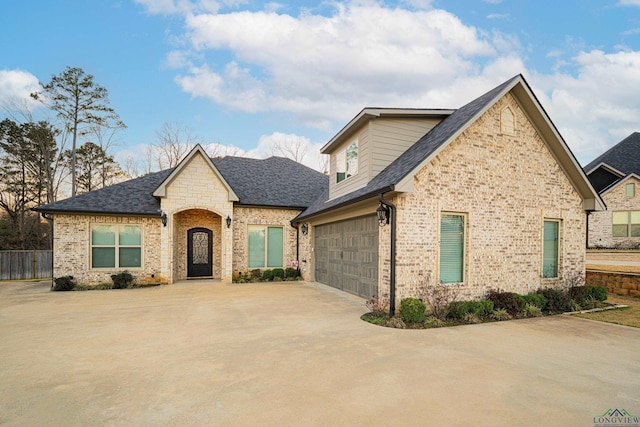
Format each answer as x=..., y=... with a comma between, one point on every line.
x=486, y=196
x=616, y=176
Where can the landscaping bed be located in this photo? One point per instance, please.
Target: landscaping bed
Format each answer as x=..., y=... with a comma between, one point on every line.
x=122, y=280
x=440, y=308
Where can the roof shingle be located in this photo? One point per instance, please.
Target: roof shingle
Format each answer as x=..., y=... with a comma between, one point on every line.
x=275, y=181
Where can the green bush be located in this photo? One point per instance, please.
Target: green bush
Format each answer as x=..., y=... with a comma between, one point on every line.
x=531, y=310
x=511, y=302
x=267, y=275
x=64, y=283
x=501, y=315
x=122, y=280
x=536, y=299
x=412, y=310
x=585, y=295
x=278, y=274
x=459, y=309
x=291, y=273
x=558, y=301
x=255, y=274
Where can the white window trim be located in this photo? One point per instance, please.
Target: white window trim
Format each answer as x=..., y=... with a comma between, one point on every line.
x=346, y=161
x=116, y=246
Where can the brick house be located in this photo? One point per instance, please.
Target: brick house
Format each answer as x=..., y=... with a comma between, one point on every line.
x=615, y=174
x=485, y=196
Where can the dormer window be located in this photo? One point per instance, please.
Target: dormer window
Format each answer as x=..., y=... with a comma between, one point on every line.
x=347, y=162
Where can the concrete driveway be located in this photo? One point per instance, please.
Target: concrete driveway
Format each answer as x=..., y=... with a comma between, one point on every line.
x=293, y=354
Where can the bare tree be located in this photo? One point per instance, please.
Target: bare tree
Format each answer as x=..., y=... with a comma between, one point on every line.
x=291, y=147
x=173, y=142
x=323, y=163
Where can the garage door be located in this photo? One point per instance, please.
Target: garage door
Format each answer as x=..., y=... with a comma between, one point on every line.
x=346, y=255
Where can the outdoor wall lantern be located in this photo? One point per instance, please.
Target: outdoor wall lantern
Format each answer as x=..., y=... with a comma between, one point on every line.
x=163, y=218
x=383, y=214
x=305, y=229
x=228, y=221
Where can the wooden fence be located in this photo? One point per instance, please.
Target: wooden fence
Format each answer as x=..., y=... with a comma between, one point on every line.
x=21, y=265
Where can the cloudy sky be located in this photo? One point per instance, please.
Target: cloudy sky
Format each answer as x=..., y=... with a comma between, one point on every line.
x=248, y=74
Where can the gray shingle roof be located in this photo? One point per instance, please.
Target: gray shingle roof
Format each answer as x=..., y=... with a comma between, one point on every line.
x=624, y=156
x=275, y=181
x=133, y=197
x=413, y=157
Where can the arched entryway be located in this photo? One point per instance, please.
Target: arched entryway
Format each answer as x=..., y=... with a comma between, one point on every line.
x=197, y=244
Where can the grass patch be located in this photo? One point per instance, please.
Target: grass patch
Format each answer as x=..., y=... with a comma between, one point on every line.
x=622, y=316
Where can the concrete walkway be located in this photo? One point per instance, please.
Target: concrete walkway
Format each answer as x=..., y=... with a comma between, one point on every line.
x=293, y=354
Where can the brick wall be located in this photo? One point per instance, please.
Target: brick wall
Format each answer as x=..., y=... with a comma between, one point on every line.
x=245, y=216
x=616, y=283
x=183, y=222
x=600, y=223
x=506, y=185
x=71, y=248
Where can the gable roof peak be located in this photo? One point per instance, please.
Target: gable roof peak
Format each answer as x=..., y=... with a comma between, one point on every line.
x=161, y=191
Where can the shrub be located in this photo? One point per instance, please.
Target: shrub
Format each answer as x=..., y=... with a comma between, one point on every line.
x=501, y=315
x=433, y=322
x=511, y=302
x=64, y=283
x=531, y=310
x=412, y=310
x=291, y=273
x=375, y=307
x=396, y=322
x=459, y=309
x=255, y=274
x=122, y=280
x=557, y=301
x=278, y=274
x=103, y=286
x=267, y=275
x=587, y=294
x=439, y=298
x=471, y=318
x=535, y=299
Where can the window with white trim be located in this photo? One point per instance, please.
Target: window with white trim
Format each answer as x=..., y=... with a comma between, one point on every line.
x=550, y=249
x=266, y=246
x=116, y=246
x=347, y=162
x=452, y=228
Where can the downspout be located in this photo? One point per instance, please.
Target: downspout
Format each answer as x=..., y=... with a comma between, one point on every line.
x=49, y=217
x=587, y=234
x=392, y=255
x=296, y=226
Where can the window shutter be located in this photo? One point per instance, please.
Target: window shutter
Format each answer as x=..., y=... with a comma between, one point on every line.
x=451, y=249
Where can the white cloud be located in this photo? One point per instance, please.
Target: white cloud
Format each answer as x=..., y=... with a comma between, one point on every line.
x=629, y=2
x=16, y=86
x=324, y=68
x=598, y=105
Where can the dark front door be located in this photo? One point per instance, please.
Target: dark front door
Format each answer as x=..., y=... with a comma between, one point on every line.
x=199, y=253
